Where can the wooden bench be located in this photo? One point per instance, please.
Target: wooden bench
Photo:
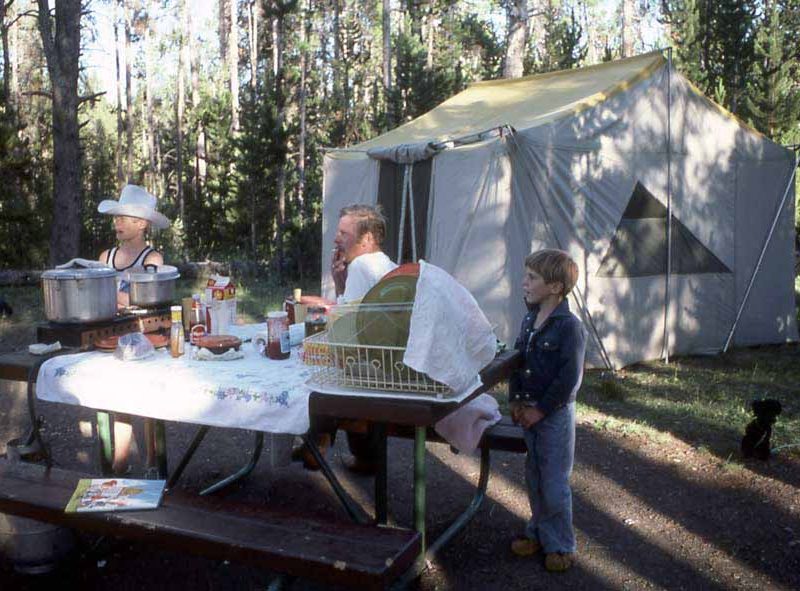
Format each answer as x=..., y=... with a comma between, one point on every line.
x=502, y=436
x=341, y=553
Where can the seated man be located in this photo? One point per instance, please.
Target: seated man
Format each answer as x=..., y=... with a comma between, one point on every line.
x=358, y=261
x=358, y=264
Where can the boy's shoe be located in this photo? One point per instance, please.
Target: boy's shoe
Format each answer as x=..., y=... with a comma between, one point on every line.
x=558, y=562
x=525, y=547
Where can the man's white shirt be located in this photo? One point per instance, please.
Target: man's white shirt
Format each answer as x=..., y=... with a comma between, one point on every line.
x=363, y=273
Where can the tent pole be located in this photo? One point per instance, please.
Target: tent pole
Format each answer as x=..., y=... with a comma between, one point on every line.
x=411, y=213
x=763, y=252
x=576, y=291
x=665, y=350
x=400, y=232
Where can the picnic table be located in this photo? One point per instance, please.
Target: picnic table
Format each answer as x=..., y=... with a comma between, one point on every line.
x=252, y=393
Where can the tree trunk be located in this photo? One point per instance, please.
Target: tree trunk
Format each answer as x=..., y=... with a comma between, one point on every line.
x=233, y=62
x=128, y=96
x=537, y=30
x=431, y=32
x=14, y=70
x=7, y=75
x=62, y=53
x=386, y=29
x=253, y=8
x=305, y=14
x=627, y=35
x=280, y=104
x=148, y=83
x=199, y=178
x=179, y=120
x=517, y=38
x=117, y=16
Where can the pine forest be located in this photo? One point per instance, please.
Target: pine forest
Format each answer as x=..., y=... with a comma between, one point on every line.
x=224, y=108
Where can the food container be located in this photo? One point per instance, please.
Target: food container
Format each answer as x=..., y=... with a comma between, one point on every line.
x=153, y=285
x=278, y=346
x=79, y=295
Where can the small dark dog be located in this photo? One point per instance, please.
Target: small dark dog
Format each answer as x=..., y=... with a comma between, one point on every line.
x=5, y=309
x=755, y=442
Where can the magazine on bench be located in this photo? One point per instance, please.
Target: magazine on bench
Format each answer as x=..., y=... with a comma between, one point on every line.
x=115, y=494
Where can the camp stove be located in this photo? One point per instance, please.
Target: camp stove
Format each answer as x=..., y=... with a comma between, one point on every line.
x=83, y=335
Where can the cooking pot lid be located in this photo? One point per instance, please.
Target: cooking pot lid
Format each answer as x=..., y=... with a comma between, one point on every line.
x=78, y=273
x=152, y=273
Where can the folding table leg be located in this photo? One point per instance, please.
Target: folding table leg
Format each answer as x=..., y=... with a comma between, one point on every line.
x=420, y=435
x=381, y=476
x=104, y=434
x=355, y=513
x=453, y=528
x=155, y=442
x=257, y=446
x=187, y=456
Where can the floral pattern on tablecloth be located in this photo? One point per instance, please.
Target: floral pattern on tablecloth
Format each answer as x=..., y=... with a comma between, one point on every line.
x=251, y=393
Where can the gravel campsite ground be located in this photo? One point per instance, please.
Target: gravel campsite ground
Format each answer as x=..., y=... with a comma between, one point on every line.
x=663, y=499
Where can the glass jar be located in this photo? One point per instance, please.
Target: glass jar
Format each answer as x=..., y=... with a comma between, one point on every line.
x=176, y=337
x=278, y=335
x=315, y=321
x=197, y=320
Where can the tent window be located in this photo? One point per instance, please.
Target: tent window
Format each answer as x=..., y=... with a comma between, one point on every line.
x=390, y=194
x=639, y=246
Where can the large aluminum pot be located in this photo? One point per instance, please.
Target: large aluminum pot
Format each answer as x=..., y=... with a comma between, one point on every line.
x=151, y=286
x=79, y=295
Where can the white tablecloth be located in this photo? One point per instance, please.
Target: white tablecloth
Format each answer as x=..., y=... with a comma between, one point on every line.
x=250, y=393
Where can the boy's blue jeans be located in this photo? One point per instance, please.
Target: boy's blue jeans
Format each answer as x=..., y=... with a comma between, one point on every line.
x=551, y=452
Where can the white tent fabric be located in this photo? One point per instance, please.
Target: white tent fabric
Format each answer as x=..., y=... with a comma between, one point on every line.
x=591, y=161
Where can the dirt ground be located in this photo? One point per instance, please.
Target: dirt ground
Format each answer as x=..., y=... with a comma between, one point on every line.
x=649, y=514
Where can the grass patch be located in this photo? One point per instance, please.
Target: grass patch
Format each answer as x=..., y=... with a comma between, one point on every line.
x=704, y=401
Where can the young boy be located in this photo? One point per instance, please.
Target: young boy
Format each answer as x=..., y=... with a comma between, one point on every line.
x=542, y=394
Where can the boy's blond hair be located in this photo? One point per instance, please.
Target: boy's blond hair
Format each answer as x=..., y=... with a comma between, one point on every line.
x=555, y=266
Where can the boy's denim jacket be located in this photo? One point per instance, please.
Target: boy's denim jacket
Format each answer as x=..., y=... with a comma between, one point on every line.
x=551, y=369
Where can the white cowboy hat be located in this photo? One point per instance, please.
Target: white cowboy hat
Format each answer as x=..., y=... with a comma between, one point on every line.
x=137, y=203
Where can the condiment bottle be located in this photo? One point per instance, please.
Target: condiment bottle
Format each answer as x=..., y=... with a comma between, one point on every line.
x=315, y=320
x=176, y=334
x=278, y=335
x=197, y=324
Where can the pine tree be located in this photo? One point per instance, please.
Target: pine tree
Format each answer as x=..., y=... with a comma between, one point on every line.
x=773, y=92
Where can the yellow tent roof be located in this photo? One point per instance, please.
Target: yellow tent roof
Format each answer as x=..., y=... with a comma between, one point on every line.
x=521, y=102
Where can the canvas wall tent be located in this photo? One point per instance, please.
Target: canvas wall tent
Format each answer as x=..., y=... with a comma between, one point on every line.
x=604, y=162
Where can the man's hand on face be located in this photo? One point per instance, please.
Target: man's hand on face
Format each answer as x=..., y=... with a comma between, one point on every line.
x=339, y=270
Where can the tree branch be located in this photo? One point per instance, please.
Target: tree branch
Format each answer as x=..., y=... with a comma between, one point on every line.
x=14, y=20
x=90, y=97
x=38, y=93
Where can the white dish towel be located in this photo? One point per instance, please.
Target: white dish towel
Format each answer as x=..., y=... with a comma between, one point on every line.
x=450, y=338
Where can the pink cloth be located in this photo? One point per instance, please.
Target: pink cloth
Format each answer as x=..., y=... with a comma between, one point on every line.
x=464, y=428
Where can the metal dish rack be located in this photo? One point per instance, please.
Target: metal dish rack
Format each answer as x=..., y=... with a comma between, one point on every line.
x=344, y=356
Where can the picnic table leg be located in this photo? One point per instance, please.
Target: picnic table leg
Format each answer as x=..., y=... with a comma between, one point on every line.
x=155, y=441
x=257, y=446
x=381, y=476
x=352, y=509
x=420, y=485
x=187, y=456
x=469, y=512
x=104, y=435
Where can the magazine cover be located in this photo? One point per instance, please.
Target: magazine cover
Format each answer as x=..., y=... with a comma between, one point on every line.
x=115, y=494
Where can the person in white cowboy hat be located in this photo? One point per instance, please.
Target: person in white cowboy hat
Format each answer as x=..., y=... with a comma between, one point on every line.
x=133, y=214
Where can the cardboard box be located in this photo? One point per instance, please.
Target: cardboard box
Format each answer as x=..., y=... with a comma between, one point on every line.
x=220, y=297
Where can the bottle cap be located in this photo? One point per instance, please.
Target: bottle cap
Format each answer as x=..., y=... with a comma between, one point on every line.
x=176, y=308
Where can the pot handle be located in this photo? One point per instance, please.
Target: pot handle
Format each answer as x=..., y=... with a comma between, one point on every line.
x=151, y=268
